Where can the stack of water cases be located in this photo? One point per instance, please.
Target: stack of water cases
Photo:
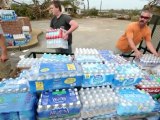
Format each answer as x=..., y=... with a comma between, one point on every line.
x=57, y=58
x=26, y=30
x=127, y=75
x=55, y=78
x=16, y=103
x=98, y=101
x=84, y=55
x=109, y=57
x=55, y=39
x=150, y=83
x=156, y=70
x=19, y=39
x=8, y=15
x=148, y=60
x=97, y=74
x=27, y=62
x=59, y=104
x=54, y=75
x=134, y=102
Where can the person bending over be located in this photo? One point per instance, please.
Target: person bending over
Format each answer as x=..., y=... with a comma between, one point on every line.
x=134, y=34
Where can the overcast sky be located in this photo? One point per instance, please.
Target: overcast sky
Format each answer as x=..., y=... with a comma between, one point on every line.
x=118, y=4
x=111, y=4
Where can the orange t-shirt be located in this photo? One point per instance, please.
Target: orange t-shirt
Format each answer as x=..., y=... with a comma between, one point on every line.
x=135, y=33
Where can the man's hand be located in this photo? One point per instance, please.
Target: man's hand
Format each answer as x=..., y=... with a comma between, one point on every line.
x=157, y=54
x=138, y=54
x=3, y=58
x=65, y=36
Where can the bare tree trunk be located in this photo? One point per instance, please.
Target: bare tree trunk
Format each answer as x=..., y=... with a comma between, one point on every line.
x=88, y=4
x=36, y=9
x=84, y=7
x=100, y=5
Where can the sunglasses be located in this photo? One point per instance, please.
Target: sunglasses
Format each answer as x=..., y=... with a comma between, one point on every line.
x=144, y=17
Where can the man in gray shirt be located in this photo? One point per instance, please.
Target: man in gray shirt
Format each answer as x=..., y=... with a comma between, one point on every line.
x=63, y=21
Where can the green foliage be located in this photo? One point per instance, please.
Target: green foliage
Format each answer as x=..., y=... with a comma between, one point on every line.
x=65, y=3
x=135, y=18
x=91, y=12
x=23, y=10
x=134, y=13
x=33, y=12
x=106, y=15
x=38, y=11
x=73, y=15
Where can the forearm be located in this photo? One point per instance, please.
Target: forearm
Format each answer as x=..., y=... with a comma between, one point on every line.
x=132, y=45
x=4, y=51
x=2, y=45
x=74, y=26
x=151, y=48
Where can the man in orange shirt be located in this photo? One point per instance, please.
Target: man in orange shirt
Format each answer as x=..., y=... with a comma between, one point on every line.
x=134, y=34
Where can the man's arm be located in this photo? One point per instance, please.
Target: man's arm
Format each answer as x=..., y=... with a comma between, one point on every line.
x=129, y=35
x=138, y=54
x=149, y=44
x=3, y=56
x=74, y=26
x=151, y=48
